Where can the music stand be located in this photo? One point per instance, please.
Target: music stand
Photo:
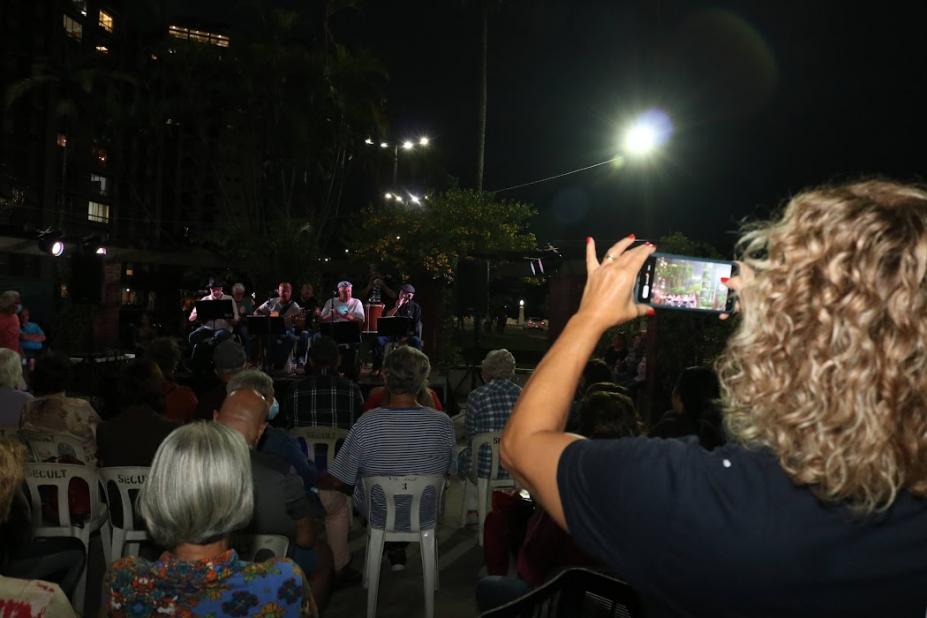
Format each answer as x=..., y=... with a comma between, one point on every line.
x=344, y=333
x=265, y=327
x=209, y=310
x=395, y=326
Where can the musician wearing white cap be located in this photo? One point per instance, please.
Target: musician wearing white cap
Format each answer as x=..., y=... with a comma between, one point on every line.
x=343, y=308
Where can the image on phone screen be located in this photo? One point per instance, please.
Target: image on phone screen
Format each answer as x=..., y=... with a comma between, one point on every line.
x=681, y=282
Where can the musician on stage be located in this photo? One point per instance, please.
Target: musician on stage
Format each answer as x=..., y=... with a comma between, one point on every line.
x=404, y=307
x=217, y=330
x=283, y=306
x=306, y=326
x=343, y=308
x=376, y=288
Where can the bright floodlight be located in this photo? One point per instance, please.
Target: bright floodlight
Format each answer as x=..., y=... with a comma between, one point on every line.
x=384, y=145
x=368, y=141
x=415, y=199
x=408, y=145
x=388, y=196
x=649, y=132
x=101, y=251
x=57, y=248
x=423, y=141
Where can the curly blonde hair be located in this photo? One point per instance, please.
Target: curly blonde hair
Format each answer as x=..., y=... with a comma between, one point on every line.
x=828, y=367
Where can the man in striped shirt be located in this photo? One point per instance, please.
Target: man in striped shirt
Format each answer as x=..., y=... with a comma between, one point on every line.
x=401, y=439
x=323, y=398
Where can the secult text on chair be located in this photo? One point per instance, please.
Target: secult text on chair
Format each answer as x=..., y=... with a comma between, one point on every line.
x=410, y=490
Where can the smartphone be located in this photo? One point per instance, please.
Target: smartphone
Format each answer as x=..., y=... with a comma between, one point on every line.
x=685, y=283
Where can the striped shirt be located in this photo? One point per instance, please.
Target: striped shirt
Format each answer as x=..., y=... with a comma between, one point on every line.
x=325, y=399
x=396, y=442
x=488, y=409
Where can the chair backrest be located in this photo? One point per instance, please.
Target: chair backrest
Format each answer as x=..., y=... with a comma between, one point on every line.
x=122, y=484
x=412, y=487
x=52, y=447
x=492, y=439
x=574, y=593
x=260, y=547
x=58, y=477
x=312, y=439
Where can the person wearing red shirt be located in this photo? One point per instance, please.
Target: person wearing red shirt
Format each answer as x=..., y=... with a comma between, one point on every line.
x=9, y=322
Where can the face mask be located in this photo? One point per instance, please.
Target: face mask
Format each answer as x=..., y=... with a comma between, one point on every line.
x=19, y=308
x=274, y=409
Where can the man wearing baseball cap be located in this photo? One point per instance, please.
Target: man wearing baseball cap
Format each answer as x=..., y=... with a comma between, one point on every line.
x=404, y=307
x=343, y=308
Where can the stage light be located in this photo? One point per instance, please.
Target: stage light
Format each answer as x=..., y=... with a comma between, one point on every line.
x=52, y=245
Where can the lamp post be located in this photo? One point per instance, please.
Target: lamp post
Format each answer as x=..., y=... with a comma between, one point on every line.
x=407, y=145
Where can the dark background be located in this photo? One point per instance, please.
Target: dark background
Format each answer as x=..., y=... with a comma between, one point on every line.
x=766, y=98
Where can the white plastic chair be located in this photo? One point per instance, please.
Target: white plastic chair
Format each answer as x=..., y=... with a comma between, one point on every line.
x=260, y=547
x=311, y=438
x=393, y=486
x=59, y=476
x=484, y=486
x=118, y=481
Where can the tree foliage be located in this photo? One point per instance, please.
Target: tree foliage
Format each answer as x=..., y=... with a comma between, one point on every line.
x=430, y=239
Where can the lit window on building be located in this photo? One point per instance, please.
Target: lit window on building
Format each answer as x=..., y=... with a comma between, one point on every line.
x=97, y=212
x=100, y=184
x=198, y=36
x=62, y=140
x=106, y=21
x=103, y=49
x=73, y=28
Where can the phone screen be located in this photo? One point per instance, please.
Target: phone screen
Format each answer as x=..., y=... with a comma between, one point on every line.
x=681, y=282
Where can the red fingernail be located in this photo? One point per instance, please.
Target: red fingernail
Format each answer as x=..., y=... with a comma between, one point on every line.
x=725, y=279
x=651, y=312
x=631, y=236
x=588, y=239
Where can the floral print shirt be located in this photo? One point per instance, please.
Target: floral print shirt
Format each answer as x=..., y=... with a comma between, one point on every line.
x=221, y=586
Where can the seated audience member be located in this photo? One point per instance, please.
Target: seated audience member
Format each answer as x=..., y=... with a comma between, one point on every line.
x=199, y=492
x=544, y=547
x=280, y=502
x=617, y=351
x=52, y=411
x=400, y=439
x=379, y=397
x=180, y=402
x=9, y=322
x=31, y=569
x=277, y=442
x=12, y=396
x=816, y=504
x=596, y=370
x=695, y=412
x=488, y=409
x=132, y=437
x=324, y=398
x=31, y=335
x=228, y=359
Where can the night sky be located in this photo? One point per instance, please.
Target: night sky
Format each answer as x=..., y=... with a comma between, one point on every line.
x=766, y=98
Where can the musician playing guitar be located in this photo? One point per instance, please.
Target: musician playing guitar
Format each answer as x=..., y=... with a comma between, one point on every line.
x=283, y=306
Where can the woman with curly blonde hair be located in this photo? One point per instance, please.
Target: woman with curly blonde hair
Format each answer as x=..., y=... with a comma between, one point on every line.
x=817, y=504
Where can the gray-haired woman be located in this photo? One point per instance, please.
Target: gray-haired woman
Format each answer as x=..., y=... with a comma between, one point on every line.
x=197, y=493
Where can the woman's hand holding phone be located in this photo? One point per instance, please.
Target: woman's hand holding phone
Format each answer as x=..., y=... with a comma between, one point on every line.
x=608, y=298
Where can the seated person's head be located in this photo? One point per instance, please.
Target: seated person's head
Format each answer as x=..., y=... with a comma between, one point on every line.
x=12, y=473
x=259, y=381
x=405, y=371
x=606, y=387
x=696, y=392
x=245, y=410
x=597, y=370
x=141, y=384
x=827, y=365
x=324, y=353
x=605, y=415
x=498, y=365
x=228, y=358
x=199, y=487
x=166, y=353
x=51, y=374
x=11, y=369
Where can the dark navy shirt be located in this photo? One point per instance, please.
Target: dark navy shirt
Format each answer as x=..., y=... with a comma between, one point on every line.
x=727, y=533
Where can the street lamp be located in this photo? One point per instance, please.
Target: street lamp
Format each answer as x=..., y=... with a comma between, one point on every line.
x=407, y=145
x=648, y=132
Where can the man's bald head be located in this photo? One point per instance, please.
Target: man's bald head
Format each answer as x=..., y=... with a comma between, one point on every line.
x=245, y=411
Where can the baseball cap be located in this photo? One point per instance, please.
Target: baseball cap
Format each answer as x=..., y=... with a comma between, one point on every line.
x=407, y=287
x=344, y=284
